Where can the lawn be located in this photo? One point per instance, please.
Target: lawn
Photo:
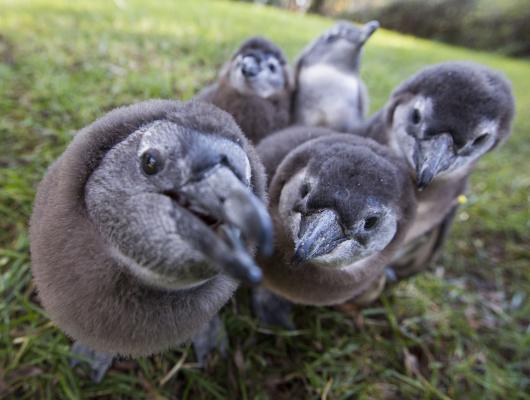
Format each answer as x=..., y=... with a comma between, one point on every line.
x=458, y=331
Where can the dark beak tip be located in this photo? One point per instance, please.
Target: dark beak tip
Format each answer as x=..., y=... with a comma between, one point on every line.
x=298, y=257
x=420, y=185
x=254, y=276
x=423, y=182
x=424, y=178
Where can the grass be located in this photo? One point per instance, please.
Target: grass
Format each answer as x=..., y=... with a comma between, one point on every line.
x=460, y=331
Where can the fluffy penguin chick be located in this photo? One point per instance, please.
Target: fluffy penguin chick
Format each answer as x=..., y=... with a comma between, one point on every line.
x=255, y=88
x=341, y=205
x=329, y=91
x=137, y=229
x=441, y=121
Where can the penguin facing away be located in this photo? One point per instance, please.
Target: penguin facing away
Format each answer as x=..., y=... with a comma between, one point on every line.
x=329, y=91
x=341, y=206
x=139, y=230
x=441, y=121
x=255, y=87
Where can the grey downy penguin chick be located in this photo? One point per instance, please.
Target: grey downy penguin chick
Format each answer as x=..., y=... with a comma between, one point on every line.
x=329, y=91
x=341, y=206
x=255, y=87
x=139, y=230
x=441, y=121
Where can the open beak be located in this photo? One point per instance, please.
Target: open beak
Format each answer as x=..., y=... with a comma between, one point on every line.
x=319, y=234
x=222, y=201
x=431, y=157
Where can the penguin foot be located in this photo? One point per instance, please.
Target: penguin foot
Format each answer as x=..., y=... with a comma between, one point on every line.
x=99, y=362
x=272, y=311
x=212, y=337
x=391, y=275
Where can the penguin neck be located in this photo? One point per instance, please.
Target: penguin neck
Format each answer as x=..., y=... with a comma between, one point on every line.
x=436, y=201
x=151, y=278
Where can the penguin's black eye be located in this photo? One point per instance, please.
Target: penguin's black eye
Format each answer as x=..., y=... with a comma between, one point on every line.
x=416, y=116
x=272, y=67
x=152, y=162
x=370, y=223
x=304, y=190
x=481, y=139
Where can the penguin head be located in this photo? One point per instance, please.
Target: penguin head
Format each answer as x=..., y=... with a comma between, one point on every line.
x=340, y=46
x=174, y=192
x=447, y=116
x=258, y=68
x=342, y=204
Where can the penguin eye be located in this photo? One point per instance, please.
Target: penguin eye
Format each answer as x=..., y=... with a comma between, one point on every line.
x=416, y=116
x=480, y=139
x=272, y=67
x=152, y=162
x=370, y=222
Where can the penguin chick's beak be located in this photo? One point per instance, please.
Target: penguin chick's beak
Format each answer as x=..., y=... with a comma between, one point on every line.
x=249, y=67
x=368, y=29
x=319, y=234
x=222, y=201
x=431, y=157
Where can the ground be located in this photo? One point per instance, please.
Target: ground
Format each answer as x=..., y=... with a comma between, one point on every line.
x=458, y=331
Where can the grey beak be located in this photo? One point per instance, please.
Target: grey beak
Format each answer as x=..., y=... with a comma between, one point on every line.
x=319, y=234
x=250, y=66
x=431, y=157
x=368, y=29
x=220, y=195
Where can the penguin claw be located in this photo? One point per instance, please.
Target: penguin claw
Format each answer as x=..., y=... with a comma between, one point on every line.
x=212, y=337
x=99, y=362
x=271, y=310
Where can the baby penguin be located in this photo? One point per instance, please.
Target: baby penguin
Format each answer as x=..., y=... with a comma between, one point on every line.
x=140, y=229
x=441, y=121
x=341, y=206
x=255, y=88
x=329, y=91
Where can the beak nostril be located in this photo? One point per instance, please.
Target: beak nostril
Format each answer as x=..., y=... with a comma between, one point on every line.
x=249, y=67
x=370, y=223
x=304, y=190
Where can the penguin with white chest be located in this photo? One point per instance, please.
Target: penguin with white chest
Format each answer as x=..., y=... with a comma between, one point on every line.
x=441, y=121
x=255, y=87
x=143, y=227
x=329, y=91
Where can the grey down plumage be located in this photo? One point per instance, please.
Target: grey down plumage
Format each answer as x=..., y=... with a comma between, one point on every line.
x=329, y=91
x=341, y=206
x=125, y=252
x=441, y=121
x=255, y=87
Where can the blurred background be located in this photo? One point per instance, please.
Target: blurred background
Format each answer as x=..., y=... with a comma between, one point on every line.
x=501, y=26
x=458, y=331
